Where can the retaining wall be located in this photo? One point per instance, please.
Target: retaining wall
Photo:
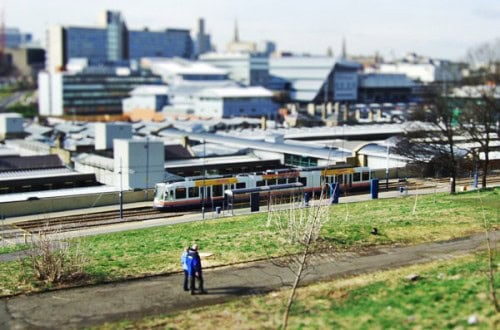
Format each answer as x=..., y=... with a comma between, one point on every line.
x=66, y=203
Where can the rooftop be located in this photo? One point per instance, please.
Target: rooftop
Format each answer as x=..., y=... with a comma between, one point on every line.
x=237, y=92
x=181, y=67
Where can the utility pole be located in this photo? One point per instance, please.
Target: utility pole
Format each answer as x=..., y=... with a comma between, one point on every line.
x=147, y=167
x=121, y=190
x=204, y=187
x=387, y=170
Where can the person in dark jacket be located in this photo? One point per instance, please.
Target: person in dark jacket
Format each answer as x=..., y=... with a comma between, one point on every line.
x=195, y=269
x=184, y=263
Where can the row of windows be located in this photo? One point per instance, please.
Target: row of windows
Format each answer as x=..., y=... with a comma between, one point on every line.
x=218, y=190
x=196, y=192
x=355, y=177
x=272, y=182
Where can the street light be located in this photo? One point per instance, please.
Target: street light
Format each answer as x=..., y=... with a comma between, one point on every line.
x=147, y=167
x=204, y=187
x=121, y=190
x=387, y=169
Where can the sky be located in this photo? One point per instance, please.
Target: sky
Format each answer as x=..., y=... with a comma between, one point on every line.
x=437, y=28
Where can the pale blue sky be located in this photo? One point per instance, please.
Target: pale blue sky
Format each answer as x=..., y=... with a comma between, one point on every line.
x=438, y=28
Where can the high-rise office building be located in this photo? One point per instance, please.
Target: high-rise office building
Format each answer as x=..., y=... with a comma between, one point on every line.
x=112, y=42
x=116, y=33
x=203, y=42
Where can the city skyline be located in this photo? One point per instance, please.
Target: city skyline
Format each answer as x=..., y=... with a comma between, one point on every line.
x=446, y=29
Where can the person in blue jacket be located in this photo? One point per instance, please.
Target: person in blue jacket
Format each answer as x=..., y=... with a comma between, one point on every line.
x=195, y=269
x=184, y=263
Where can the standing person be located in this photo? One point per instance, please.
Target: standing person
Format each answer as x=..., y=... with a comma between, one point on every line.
x=184, y=263
x=195, y=269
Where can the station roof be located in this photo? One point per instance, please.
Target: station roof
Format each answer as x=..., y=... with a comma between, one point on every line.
x=5, y=198
x=232, y=141
x=207, y=161
x=33, y=173
x=18, y=163
x=324, y=132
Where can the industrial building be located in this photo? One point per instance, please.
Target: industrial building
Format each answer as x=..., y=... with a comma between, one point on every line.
x=314, y=79
x=202, y=90
x=423, y=69
x=248, y=69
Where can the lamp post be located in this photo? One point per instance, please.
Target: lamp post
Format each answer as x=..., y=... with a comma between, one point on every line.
x=204, y=187
x=387, y=169
x=147, y=167
x=121, y=190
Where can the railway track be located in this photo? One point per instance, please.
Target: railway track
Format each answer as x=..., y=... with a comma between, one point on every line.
x=83, y=221
x=88, y=220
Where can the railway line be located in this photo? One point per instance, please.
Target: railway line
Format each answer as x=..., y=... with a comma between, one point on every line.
x=89, y=220
x=81, y=221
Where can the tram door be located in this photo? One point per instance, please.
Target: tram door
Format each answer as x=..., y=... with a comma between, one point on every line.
x=206, y=194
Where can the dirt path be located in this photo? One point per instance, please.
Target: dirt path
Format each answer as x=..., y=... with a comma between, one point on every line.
x=76, y=308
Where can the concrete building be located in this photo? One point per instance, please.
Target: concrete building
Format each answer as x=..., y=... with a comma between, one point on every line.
x=25, y=61
x=235, y=102
x=151, y=97
x=138, y=164
x=11, y=125
x=93, y=91
x=248, y=69
x=314, y=79
x=105, y=133
x=423, y=69
x=113, y=41
x=203, y=90
x=14, y=38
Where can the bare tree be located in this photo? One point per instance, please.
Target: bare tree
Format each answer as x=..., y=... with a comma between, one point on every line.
x=301, y=226
x=434, y=141
x=479, y=119
x=484, y=63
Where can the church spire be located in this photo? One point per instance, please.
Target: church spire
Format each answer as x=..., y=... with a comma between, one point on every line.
x=236, y=37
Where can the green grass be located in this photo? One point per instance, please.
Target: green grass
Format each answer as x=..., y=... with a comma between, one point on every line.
x=5, y=93
x=244, y=238
x=27, y=111
x=12, y=248
x=444, y=298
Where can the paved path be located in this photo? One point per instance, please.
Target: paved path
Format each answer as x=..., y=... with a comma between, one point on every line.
x=80, y=307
